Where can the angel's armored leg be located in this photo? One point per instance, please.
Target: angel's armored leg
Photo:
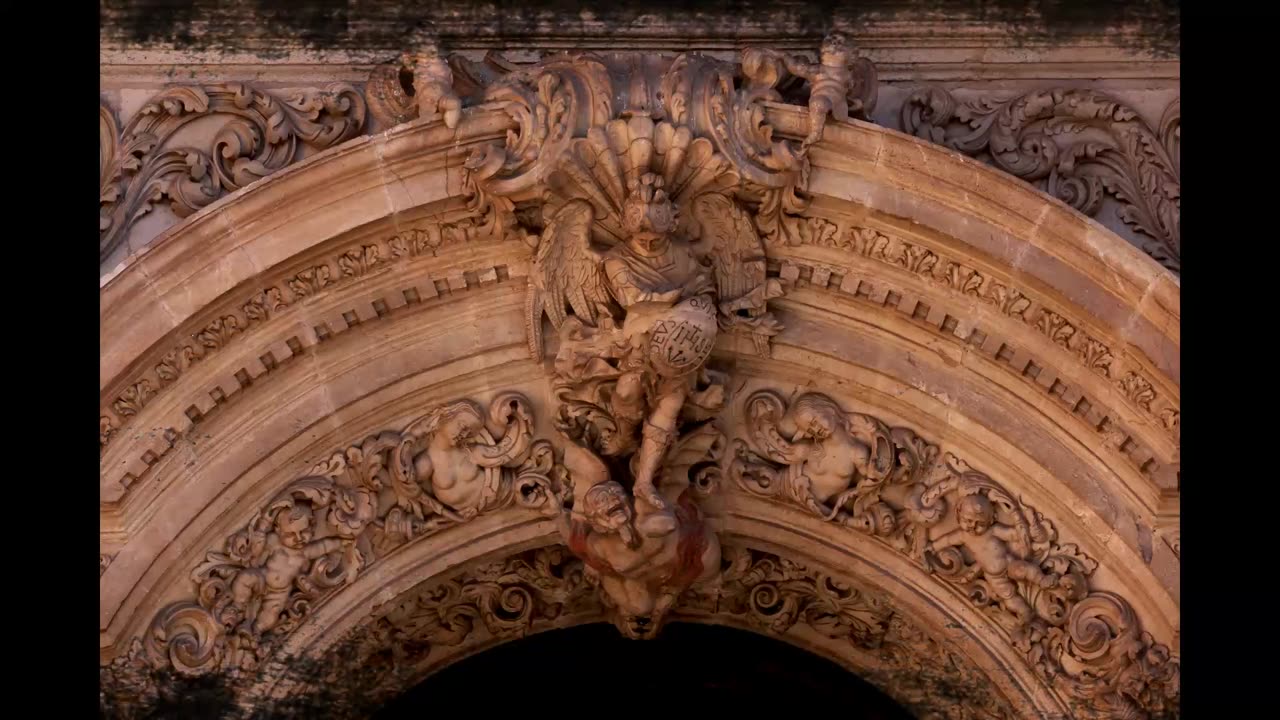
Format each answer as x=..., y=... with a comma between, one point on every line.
x=659, y=430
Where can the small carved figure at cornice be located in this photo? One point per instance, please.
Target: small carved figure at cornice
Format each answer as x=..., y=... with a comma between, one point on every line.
x=966, y=528
x=1081, y=143
x=419, y=85
x=840, y=84
x=140, y=167
x=324, y=529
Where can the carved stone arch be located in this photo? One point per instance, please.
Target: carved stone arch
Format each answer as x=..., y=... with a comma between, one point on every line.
x=286, y=356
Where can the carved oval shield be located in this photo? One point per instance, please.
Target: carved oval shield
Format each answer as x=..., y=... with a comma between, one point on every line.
x=682, y=340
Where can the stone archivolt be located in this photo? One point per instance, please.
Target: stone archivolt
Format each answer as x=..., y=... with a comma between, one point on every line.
x=656, y=200
x=273, y=300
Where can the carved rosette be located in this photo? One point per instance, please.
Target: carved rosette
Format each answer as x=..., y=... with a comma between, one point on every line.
x=325, y=528
x=140, y=166
x=1080, y=144
x=965, y=528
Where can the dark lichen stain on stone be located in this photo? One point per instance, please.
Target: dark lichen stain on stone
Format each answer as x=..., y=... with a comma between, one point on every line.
x=273, y=27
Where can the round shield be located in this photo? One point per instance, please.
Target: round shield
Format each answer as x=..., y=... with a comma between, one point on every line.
x=682, y=340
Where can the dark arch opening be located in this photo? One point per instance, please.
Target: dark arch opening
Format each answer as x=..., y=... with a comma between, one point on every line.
x=592, y=668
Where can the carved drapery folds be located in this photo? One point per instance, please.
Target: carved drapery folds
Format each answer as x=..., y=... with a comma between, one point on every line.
x=1080, y=143
x=324, y=529
x=140, y=166
x=965, y=528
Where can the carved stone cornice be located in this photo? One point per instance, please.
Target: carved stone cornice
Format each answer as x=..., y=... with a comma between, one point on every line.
x=140, y=166
x=938, y=268
x=1077, y=144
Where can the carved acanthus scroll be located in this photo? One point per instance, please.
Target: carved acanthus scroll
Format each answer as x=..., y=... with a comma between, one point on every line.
x=549, y=587
x=324, y=529
x=1081, y=143
x=140, y=166
x=964, y=527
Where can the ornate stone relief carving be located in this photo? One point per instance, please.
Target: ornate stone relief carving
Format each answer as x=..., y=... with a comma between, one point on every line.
x=775, y=595
x=322, y=530
x=1080, y=143
x=959, y=524
x=549, y=587
x=429, y=77
x=650, y=246
x=651, y=190
x=140, y=166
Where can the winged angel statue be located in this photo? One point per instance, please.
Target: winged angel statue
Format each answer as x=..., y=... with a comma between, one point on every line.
x=638, y=293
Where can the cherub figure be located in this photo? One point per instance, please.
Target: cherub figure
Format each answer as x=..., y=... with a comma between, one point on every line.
x=286, y=542
x=988, y=543
x=834, y=89
x=831, y=456
x=642, y=556
x=433, y=85
x=836, y=456
x=432, y=94
x=454, y=477
x=461, y=464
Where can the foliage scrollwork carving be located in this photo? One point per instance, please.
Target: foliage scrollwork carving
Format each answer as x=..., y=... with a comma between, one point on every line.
x=140, y=167
x=1081, y=143
x=965, y=528
x=563, y=99
x=325, y=528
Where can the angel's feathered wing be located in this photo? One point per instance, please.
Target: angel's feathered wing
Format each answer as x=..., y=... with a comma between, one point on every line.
x=566, y=276
x=736, y=253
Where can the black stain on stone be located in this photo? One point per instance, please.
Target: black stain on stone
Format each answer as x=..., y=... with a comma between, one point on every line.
x=589, y=666
x=269, y=27
x=1144, y=542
